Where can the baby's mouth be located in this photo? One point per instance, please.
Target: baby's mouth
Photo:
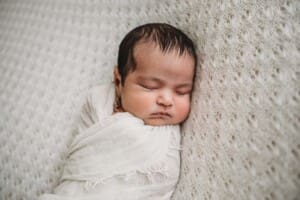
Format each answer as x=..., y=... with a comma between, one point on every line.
x=160, y=115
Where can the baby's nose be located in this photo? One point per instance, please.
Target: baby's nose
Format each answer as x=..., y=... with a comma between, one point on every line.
x=165, y=99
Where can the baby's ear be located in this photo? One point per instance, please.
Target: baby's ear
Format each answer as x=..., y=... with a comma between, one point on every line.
x=117, y=80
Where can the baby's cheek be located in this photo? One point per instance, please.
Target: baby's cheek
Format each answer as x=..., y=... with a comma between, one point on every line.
x=183, y=109
x=143, y=102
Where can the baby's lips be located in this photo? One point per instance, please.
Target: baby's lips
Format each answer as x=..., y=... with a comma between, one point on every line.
x=164, y=114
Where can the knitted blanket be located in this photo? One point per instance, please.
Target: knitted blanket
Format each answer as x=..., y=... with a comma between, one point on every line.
x=241, y=140
x=118, y=157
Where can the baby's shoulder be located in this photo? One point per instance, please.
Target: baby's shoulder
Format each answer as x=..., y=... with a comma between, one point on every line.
x=97, y=105
x=101, y=98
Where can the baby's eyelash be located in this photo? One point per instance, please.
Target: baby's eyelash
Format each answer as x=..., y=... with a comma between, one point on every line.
x=183, y=93
x=148, y=87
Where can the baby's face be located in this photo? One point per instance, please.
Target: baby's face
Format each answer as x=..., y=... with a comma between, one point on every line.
x=158, y=91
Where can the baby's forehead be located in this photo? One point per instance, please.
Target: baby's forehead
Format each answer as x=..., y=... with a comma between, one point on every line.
x=145, y=44
x=151, y=45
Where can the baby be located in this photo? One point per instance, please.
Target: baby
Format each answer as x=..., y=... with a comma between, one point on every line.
x=154, y=77
x=128, y=142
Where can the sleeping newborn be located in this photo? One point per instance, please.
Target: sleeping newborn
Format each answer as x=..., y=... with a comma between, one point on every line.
x=129, y=136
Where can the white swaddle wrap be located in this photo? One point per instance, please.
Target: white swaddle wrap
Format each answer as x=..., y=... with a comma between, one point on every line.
x=118, y=157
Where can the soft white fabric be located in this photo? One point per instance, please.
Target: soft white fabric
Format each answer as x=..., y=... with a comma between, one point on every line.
x=118, y=156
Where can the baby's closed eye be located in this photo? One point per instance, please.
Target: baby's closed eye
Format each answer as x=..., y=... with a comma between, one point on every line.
x=149, y=86
x=183, y=92
x=183, y=89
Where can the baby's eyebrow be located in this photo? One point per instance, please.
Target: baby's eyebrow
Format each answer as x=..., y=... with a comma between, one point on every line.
x=185, y=85
x=157, y=80
x=146, y=78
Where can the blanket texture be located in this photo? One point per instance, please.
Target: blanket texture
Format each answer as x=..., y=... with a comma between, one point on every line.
x=241, y=140
x=118, y=156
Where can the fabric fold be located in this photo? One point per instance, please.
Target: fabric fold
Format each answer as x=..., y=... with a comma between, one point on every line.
x=118, y=156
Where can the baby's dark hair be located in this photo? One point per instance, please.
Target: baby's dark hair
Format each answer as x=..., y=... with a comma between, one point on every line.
x=166, y=36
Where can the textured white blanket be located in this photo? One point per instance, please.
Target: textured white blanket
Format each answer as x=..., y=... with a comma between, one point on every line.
x=118, y=157
x=241, y=140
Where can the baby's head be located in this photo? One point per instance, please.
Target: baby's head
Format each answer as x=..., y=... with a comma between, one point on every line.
x=155, y=74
